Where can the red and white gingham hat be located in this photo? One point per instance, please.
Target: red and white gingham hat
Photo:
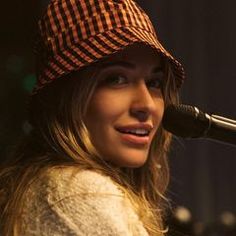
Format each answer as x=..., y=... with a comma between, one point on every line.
x=76, y=33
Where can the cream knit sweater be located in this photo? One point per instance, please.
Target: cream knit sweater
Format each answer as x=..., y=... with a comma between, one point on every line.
x=75, y=204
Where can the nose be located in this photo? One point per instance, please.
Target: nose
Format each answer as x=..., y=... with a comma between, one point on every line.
x=143, y=104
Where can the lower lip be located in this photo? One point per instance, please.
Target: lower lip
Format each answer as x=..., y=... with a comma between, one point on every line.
x=135, y=139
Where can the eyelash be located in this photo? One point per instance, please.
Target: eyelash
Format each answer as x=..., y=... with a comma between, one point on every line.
x=113, y=80
x=155, y=83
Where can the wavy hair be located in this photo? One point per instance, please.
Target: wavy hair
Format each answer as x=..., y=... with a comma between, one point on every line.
x=60, y=138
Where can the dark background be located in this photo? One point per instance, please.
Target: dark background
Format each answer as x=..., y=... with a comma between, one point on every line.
x=202, y=35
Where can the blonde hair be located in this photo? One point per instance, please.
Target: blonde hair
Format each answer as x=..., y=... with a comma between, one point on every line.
x=60, y=138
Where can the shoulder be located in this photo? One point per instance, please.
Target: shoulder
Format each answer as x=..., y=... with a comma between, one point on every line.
x=63, y=183
x=85, y=202
x=70, y=179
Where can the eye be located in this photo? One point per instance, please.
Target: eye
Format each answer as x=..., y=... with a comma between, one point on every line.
x=115, y=80
x=155, y=83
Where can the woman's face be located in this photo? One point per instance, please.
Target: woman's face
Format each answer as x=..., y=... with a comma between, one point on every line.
x=127, y=106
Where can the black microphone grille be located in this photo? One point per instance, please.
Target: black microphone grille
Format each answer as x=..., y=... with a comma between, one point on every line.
x=181, y=110
x=184, y=121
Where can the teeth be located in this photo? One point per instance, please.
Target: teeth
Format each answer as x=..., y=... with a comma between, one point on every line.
x=138, y=131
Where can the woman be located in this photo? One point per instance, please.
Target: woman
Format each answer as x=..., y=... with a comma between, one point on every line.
x=95, y=161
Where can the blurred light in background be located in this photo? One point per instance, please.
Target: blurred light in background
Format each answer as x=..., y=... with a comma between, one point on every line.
x=182, y=214
x=182, y=223
x=29, y=82
x=228, y=219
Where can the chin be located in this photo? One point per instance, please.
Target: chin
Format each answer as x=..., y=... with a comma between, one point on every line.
x=126, y=157
x=134, y=161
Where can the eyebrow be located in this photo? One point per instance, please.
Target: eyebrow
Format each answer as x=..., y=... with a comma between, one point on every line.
x=128, y=65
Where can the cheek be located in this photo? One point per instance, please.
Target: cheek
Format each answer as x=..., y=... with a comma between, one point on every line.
x=160, y=106
x=106, y=106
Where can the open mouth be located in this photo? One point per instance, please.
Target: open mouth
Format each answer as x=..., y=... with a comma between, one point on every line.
x=135, y=136
x=137, y=132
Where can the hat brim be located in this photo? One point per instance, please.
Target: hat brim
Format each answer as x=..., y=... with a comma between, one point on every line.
x=94, y=48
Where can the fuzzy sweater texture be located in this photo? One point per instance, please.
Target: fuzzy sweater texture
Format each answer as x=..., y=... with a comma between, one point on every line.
x=63, y=202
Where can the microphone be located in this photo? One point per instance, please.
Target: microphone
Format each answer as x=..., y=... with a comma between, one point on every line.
x=189, y=122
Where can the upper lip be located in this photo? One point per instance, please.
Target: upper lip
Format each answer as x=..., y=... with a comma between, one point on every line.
x=145, y=126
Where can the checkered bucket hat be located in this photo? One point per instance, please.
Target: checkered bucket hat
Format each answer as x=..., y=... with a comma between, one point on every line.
x=76, y=33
